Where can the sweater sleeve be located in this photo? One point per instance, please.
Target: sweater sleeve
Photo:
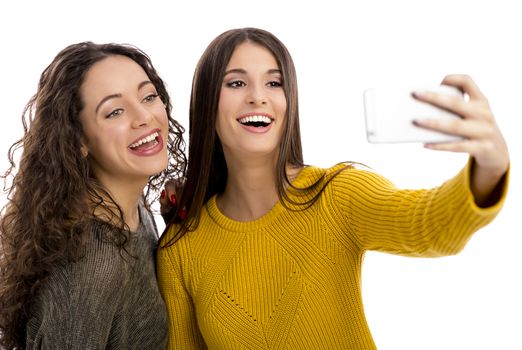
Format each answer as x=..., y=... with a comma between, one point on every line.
x=183, y=327
x=425, y=223
x=78, y=302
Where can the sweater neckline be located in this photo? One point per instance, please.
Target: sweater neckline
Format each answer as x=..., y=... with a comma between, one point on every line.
x=248, y=226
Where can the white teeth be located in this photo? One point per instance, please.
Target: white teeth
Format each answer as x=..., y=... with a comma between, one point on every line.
x=255, y=118
x=149, y=138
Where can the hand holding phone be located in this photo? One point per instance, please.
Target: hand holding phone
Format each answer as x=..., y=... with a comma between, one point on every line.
x=390, y=113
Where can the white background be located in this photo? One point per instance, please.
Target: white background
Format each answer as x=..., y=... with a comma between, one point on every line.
x=469, y=301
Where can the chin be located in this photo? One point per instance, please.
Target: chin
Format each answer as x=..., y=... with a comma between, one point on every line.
x=156, y=168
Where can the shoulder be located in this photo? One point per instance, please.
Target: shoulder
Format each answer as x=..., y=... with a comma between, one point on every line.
x=147, y=222
x=346, y=175
x=101, y=264
x=87, y=283
x=168, y=237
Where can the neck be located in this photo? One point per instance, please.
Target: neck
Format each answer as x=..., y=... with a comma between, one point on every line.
x=251, y=189
x=127, y=196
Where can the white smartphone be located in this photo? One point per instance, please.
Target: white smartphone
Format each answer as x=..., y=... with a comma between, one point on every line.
x=390, y=112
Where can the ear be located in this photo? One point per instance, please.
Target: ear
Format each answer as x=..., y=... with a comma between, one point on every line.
x=85, y=150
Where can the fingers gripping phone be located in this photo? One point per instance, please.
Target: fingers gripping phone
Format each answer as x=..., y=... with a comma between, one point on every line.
x=390, y=112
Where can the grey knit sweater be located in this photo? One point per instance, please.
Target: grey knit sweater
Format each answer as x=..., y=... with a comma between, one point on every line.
x=106, y=300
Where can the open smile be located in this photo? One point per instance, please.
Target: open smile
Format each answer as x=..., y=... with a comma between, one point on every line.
x=147, y=145
x=256, y=121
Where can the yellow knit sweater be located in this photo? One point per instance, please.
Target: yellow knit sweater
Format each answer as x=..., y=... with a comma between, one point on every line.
x=292, y=279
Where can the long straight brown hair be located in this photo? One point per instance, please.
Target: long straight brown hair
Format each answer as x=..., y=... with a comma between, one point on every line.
x=207, y=170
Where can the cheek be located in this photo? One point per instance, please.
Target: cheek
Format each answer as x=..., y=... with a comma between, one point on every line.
x=161, y=114
x=281, y=104
x=164, y=122
x=115, y=136
x=228, y=102
x=99, y=150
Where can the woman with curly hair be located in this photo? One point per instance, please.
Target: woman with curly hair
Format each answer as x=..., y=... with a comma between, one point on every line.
x=77, y=234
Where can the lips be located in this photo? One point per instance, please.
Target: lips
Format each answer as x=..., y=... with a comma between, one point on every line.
x=258, y=121
x=147, y=145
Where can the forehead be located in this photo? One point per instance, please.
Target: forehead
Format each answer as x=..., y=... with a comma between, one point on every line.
x=248, y=54
x=112, y=75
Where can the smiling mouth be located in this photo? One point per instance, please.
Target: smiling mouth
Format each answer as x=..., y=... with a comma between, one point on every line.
x=146, y=143
x=258, y=121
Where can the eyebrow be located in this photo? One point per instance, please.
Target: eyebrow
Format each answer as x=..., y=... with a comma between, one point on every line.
x=108, y=97
x=243, y=71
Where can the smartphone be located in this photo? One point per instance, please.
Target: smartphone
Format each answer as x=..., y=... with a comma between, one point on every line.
x=389, y=114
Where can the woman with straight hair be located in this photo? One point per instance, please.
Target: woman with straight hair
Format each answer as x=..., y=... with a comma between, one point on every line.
x=265, y=252
x=78, y=238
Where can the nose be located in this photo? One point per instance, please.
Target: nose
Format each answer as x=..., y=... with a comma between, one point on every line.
x=256, y=95
x=142, y=116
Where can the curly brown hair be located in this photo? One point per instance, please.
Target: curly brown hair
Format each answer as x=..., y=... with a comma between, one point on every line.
x=53, y=193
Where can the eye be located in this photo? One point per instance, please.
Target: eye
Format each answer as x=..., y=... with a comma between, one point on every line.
x=150, y=98
x=236, y=84
x=274, y=83
x=115, y=113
